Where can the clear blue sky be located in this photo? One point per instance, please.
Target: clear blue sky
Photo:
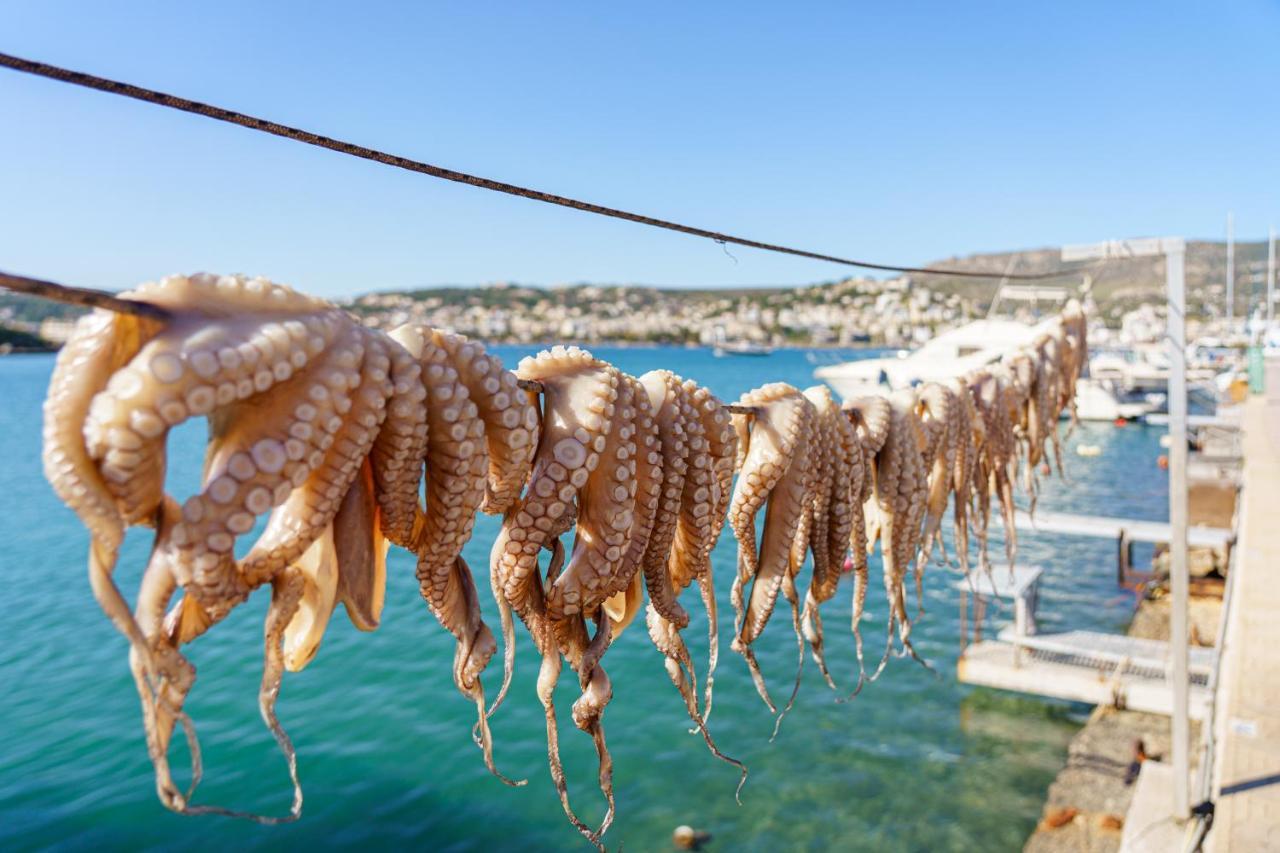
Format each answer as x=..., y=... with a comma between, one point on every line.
x=905, y=136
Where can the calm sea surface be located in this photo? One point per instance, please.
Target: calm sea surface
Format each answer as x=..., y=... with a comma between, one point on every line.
x=915, y=763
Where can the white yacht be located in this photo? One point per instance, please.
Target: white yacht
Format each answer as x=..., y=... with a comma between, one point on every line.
x=950, y=354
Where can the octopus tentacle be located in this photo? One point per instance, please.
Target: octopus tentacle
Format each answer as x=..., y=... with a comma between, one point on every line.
x=673, y=416
x=962, y=472
x=722, y=448
x=832, y=508
x=698, y=446
x=606, y=513
x=577, y=389
x=101, y=343
x=899, y=496
x=774, y=470
x=400, y=449
x=510, y=419
x=940, y=405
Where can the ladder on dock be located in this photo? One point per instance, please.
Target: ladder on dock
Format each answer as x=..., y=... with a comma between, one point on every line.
x=1080, y=666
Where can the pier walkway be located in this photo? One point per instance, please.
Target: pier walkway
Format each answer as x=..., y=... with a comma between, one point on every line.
x=1134, y=530
x=1247, y=768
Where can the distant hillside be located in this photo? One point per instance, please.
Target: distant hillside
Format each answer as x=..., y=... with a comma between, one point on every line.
x=1121, y=285
x=1118, y=286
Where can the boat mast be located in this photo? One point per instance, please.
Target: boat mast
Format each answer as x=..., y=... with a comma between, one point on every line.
x=1271, y=277
x=1231, y=272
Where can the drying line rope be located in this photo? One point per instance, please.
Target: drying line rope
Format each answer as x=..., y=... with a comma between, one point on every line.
x=102, y=84
x=83, y=296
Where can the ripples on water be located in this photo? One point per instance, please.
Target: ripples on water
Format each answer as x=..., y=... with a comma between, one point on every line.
x=386, y=758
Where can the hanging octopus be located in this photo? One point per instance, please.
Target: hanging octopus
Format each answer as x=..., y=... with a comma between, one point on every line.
x=461, y=477
x=121, y=384
x=584, y=470
x=1073, y=335
x=838, y=527
x=775, y=468
x=941, y=409
x=331, y=430
x=899, y=493
x=871, y=417
x=698, y=446
x=968, y=439
x=994, y=401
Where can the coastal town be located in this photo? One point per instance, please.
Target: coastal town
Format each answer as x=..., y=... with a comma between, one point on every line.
x=846, y=313
x=903, y=311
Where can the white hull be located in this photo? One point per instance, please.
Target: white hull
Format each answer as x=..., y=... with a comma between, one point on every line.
x=1096, y=401
x=952, y=353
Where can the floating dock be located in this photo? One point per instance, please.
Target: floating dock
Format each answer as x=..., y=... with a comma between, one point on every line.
x=1079, y=666
x=1132, y=529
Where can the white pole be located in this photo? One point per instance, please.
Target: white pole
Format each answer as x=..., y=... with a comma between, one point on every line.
x=1176, y=283
x=1231, y=271
x=1271, y=277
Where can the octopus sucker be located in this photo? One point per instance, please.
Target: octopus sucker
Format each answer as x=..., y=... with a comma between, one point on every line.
x=774, y=470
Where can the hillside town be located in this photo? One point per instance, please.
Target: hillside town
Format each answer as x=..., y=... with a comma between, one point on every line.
x=895, y=312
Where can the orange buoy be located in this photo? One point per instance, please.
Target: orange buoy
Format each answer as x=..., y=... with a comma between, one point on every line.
x=1162, y=462
x=1120, y=422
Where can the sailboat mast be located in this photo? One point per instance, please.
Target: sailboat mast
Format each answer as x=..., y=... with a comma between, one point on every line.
x=1231, y=271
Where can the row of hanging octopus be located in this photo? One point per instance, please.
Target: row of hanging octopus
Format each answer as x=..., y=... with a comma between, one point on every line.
x=352, y=439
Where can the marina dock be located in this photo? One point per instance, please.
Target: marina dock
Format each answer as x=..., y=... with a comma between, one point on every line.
x=1133, y=530
x=1079, y=666
x=1246, y=778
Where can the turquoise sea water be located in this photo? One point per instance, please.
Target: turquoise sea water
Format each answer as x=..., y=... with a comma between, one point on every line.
x=914, y=763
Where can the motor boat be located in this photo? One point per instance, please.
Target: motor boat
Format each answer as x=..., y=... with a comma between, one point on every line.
x=947, y=355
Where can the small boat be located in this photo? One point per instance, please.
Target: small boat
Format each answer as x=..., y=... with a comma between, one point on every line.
x=724, y=347
x=741, y=348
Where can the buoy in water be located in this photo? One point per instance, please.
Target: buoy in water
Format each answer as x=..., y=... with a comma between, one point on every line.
x=1120, y=422
x=1162, y=462
x=1166, y=441
x=687, y=838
